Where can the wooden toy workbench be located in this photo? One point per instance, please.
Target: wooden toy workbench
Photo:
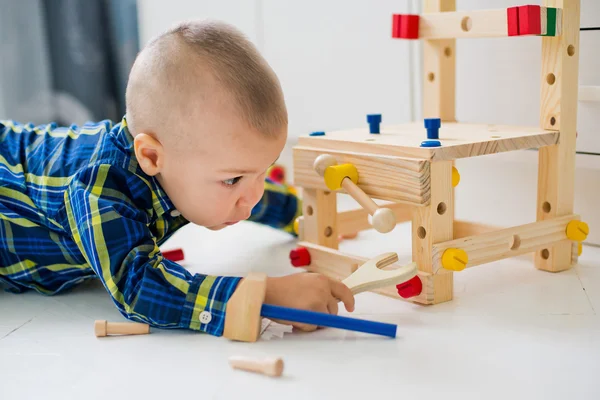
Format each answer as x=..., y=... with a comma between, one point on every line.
x=412, y=165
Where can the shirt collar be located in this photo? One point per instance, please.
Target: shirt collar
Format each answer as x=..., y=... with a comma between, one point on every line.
x=161, y=203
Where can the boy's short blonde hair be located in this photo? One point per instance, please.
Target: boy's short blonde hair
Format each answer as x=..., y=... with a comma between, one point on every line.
x=174, y=65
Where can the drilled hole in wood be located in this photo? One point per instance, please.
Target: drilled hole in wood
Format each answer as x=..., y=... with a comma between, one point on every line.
x=466, y=24
x=309, y=210
x=441, y=208
x=431, y=76
x=545, y=254
x=326, y=193
x=546, y=207
x=515, y=242
x=552, y=121
x=421, y=232
x=328, y=231
x=447, y=51
x=550, y=78
x=571, y=50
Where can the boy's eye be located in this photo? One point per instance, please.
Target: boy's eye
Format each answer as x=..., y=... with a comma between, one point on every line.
x=232, y=181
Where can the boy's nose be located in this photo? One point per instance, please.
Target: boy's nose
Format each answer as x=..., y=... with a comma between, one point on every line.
x=252, y=196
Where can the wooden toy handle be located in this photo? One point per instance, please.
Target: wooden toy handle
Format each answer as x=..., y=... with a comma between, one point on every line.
x=383, y=218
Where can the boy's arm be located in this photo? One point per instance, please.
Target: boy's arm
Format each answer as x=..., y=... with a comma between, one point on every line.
x=111, y=229
x=278, y=208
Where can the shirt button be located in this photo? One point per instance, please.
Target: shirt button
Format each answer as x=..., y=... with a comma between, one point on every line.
x=205, y=317
x=175, y=213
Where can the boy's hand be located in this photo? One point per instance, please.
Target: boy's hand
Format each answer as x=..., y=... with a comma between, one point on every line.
x=308, y=291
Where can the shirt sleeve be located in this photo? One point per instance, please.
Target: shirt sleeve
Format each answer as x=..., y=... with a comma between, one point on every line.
x=110, y=222
x=278, y=208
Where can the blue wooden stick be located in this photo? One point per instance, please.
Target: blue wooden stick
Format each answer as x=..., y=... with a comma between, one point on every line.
x=329, y=320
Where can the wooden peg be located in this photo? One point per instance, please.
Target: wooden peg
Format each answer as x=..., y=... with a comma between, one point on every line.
x=266, y=366
x=370, y=276
x=383, y=219
x=104, y=328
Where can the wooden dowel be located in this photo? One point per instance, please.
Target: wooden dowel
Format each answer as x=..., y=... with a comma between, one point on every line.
x=361, y=197
x=104, y=328
x=266, y=366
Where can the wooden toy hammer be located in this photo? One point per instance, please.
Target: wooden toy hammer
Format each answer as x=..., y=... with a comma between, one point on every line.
x=245, y=310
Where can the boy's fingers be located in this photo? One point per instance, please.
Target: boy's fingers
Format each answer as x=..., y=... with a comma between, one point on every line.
x=304, y=327
x=343, y=293
x=322, y=308
x=332, y=306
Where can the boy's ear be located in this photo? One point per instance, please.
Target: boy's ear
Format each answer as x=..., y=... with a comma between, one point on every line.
x=149, y=153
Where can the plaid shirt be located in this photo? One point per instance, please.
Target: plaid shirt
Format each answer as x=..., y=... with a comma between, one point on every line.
x=74, y=205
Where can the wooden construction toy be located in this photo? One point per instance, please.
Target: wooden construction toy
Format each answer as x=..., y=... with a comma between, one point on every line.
x=104, y=328
x=267, y=366
x=245, y=310
x=414, y=178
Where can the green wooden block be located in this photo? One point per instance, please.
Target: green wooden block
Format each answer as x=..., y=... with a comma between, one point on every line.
x=551, y=21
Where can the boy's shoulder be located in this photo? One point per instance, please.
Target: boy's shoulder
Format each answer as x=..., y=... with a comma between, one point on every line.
x=72, y=147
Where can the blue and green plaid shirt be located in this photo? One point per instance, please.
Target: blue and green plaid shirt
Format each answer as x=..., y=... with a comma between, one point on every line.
x=74, y=205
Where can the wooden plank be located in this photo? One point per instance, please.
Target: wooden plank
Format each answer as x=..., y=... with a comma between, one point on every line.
x=320, y=217
x=354, y=221
x=459, y=140
x=439, y=98
x=506, y=243
x=380, y=177
x=434, y=224
x=559, y=91
x=465, y=228
x=338, y=265
x=439, y=68
x=464, y=24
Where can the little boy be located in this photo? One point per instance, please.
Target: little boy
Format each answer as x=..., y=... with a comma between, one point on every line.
x=205, y=119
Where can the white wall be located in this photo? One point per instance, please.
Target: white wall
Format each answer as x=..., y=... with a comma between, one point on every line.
x=337, y=62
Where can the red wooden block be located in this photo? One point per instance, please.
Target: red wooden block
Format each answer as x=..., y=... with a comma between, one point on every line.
x=300, y=257
x=530, y=20
x=410, y=288
x=173, y=255
x=405, y=26
x=513, y=21
x=396, y=20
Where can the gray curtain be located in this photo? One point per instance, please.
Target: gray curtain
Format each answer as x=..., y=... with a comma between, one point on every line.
x=69, y=59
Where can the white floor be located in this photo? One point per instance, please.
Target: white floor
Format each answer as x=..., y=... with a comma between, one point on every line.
x=511, y=332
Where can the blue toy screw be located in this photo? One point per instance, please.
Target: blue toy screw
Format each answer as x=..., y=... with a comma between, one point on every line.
x=433, y=126
x=374, y=120
x=431, y=143
x=317, y=134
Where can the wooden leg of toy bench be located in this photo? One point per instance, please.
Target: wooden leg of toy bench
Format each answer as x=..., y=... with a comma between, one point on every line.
x=320, y=217
x=433, y=224
x=556, y=175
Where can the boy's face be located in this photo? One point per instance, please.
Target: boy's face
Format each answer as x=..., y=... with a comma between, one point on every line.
x=215, y=176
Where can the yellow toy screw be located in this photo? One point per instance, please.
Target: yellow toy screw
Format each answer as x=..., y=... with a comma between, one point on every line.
x=455, y=177
x=455, y=259
x=577, y=230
